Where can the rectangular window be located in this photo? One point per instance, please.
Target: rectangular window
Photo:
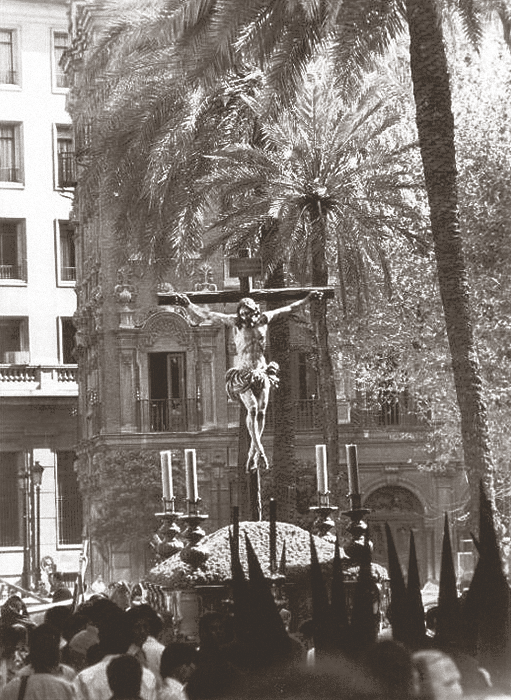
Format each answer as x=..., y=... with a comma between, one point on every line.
x=67, y=256
x=69, y=501
x=67, y=341
x=8, y=57
x=60, y=43
x=10, y=153
x=14, y=341
x=12, y=250
x=66, y=161
x=10, y=521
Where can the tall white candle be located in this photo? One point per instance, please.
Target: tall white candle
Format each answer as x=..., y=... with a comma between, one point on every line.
x=352, y=462
x=192, y=490
x=321, y=469
x=166, y=474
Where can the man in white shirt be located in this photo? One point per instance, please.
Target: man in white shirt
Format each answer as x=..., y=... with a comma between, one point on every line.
x=92, y=682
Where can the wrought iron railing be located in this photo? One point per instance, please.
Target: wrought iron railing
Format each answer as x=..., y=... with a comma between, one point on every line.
x=391, y=410
x=68, y=274
x=185, y=415
x=10, y=175
x=170, y=415
x=8, y=77
x=13, y=272
x=67, y=169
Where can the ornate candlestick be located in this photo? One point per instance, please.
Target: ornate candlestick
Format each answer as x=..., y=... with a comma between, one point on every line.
x=323, y=523
x=358, y=528
x=166, y=540
x=194, y=533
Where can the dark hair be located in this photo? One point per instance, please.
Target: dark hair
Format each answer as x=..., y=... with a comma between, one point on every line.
x=10, y=637
x=391, y=665
x=94, y=655
x=114, y=634
x=174, y=655
x=149, y=616
x=44, y=652
x=124, y=675
x=100, y=610
x=58, y=617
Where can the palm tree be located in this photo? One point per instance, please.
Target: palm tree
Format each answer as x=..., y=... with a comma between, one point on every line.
x=282, y=37
x=332, y=176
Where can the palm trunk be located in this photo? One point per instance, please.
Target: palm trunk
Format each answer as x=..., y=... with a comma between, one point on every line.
x=435, y=124
x=327, y=392
x=283, y=455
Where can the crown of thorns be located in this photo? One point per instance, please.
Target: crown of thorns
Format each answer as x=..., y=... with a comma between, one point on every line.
x=249, y=304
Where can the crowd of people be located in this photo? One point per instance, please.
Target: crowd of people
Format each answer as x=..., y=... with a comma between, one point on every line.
x=102, y=652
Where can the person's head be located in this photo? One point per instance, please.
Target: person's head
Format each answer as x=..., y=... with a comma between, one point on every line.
x=44, y=652
x=63, y=595
x=58, y=617
x=124, y=675
x=138, y=626
x=13, y=611
x=114, y=634
x=213, y=630
x=178, y=661
x=152, y=620
x=248, y=312
x=14, y=644
x=100, y=610
x=390, y=663
x=438, y=677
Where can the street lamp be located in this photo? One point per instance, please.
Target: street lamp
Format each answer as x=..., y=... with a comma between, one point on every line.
x=29, y=480
x=23, y=486
x=37, y=479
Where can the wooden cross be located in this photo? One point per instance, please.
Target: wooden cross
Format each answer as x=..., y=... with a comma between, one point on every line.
x=246, y=268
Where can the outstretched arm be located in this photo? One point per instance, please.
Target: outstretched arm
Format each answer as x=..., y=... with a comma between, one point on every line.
x=206, y=314
x=294, y=306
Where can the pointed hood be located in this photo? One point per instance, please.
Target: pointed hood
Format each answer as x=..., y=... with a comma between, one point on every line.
x=321, y=614
x=338, y=607
x=240, y=594
x=417, y=627
x=449, y=623
x=399, y=617
x=269, y=639
x=493, y=643
x=364, y=621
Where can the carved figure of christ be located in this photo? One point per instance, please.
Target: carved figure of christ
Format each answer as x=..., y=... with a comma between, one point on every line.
x=251, y=378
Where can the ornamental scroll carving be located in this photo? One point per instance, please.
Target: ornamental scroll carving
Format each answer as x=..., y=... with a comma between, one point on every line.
x=394, y=499
x=166, y=326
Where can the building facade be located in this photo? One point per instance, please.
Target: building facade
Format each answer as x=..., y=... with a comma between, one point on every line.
x=38, y=388
x=152, y=379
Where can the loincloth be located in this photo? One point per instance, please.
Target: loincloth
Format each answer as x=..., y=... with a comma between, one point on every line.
x=238, y=381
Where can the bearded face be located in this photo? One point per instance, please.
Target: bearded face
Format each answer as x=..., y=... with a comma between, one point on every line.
x=248, y=313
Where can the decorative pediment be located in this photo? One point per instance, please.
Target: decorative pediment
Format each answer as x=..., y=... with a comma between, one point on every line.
x=166, y=326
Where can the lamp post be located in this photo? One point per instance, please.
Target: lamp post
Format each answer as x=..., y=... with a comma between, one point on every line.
x=23, y=486
x=37, y=479
x=29, y=481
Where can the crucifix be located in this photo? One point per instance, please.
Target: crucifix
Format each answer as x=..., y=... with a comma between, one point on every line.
x=251, y=379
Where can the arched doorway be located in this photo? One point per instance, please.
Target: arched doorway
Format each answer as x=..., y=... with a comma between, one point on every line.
x=404, y=512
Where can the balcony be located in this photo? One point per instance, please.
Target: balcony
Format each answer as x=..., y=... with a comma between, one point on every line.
x=399, y=410
x=67, y=176
x=24, y=380
x=11, y=175
x=13, y=272
x=8, y=77
x=185, y=415
x=171, y=415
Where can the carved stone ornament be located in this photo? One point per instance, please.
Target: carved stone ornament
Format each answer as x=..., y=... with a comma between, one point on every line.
x=166, y=325
x=394, y=499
